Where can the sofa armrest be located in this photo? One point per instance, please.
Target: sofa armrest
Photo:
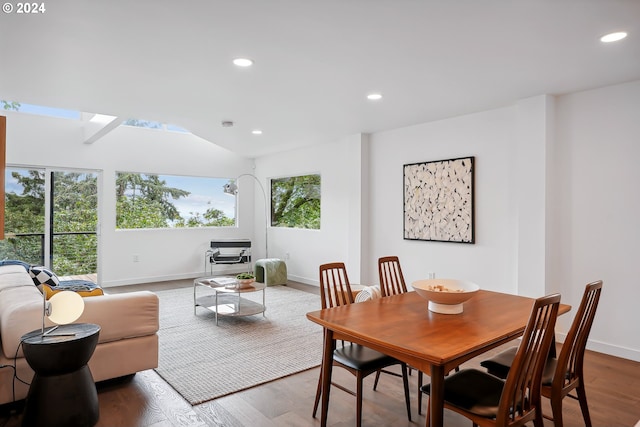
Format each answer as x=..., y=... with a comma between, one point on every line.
x=122, y=316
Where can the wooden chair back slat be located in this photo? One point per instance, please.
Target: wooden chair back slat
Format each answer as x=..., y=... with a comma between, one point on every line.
x=335, y=289
x=570, y=359
x=391, y=277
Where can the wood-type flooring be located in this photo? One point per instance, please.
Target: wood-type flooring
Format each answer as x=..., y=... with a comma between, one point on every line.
x=145, y=400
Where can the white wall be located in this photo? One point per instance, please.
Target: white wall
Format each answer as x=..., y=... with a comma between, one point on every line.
x=598, y=196
x=489, y=137
x=163, y=254
x=339, y=238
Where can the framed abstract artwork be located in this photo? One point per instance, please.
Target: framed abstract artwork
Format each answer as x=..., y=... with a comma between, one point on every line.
x=438, y=201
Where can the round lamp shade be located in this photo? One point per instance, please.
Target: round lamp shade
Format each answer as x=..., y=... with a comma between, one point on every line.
x=65, y=307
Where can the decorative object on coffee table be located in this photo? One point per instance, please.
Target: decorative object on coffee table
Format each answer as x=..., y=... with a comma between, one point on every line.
x=226, y=299
x=245, y=280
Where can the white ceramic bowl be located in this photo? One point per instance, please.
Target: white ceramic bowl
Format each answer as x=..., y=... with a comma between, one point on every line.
x=445, y=302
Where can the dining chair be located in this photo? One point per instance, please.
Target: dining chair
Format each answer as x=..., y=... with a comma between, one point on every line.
x=392, y=283
x=360, y=361
x=564, y=373
x=491, y=401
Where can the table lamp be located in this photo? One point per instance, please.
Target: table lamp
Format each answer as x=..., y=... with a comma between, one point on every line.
x=62, y=308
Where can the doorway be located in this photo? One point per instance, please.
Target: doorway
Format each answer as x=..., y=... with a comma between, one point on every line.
x=51, y=219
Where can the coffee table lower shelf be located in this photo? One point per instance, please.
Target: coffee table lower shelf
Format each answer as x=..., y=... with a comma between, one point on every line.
x=230, y=305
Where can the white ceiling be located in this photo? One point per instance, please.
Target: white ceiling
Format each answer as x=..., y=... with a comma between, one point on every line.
x=315, y=61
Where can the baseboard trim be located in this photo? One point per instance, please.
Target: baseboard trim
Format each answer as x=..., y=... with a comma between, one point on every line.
x=222, y=270
x=606, y=348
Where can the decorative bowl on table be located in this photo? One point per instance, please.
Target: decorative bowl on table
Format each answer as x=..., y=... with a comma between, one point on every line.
x=245, y=280
x=445, y=296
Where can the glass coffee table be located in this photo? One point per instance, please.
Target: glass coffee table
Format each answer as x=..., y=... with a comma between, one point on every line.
x=226, y=299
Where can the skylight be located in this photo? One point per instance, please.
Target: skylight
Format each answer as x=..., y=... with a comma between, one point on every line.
x=42, y=110
x=95, y=118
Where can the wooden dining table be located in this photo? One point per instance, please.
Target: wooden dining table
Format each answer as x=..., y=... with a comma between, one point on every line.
x=403, y=327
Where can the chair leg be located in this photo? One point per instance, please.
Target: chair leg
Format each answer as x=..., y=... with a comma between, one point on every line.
x=318, y=394
x=428, y=414
x=582, y=398
x=375, y=383
x=405, y=381
x=359, y=380
x=556, y=410
x=538, y=421
x=419, y=392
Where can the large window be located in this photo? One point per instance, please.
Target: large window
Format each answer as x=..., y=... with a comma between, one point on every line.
x=295, y=202
x=65, y=238
x=169, y=201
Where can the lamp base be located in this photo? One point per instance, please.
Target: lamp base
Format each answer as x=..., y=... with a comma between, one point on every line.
x=50, y=333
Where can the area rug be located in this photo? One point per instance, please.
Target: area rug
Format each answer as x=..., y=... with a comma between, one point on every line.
x=202, y=361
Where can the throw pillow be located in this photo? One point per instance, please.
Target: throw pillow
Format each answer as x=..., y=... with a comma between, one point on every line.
x=82, y=287
x=42, y=275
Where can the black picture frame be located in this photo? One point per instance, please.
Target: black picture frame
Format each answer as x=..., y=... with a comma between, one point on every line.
x=439, y=200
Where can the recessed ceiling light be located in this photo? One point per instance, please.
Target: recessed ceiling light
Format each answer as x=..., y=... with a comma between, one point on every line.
x=374, y=96
x=256, y=132
x=613, y=37
x=243, y=62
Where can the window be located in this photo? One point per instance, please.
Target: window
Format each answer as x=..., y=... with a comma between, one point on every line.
x=295, y=202
x=39, y=110
x=66, y=238
x=154, y=125
x=169, y=201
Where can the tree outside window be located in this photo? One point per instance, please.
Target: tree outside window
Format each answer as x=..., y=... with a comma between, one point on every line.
x=169, y=201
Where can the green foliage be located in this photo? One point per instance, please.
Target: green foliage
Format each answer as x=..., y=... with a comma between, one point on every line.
x=147, y=196
x=136, y=213
x=142, y=124
x=75, y=207
x=75, y=212
x=24, y=213
x=143, y=201
x=10, y=105
x=295, y=202
x=211, y=218
x=75, y=202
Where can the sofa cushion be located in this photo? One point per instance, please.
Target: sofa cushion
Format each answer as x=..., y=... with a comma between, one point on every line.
x=42, y=275
x=12, y=276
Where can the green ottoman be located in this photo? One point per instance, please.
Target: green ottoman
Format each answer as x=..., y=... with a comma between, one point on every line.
x=271, y=271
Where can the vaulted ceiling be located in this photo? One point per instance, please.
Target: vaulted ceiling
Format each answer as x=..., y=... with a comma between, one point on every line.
x=314, y=61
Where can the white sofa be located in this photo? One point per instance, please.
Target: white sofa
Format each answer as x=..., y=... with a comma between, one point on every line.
x=128, y=340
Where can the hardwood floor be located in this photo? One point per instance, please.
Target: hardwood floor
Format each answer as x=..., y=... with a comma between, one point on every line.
x=145, y=400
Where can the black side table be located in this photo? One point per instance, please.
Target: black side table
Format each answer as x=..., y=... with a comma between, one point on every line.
x=62, y=392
